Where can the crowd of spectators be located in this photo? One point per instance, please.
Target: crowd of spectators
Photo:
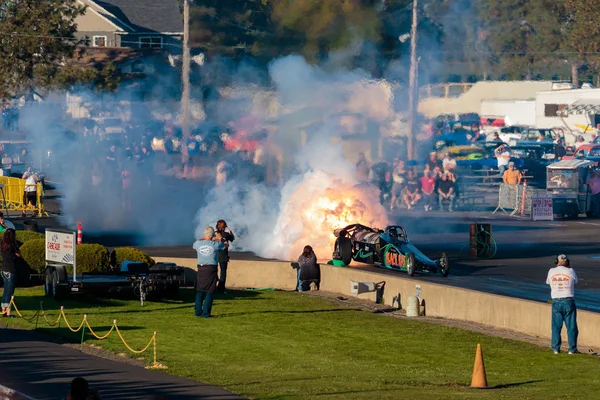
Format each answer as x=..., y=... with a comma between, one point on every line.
x=407, y=185
x=10, y=117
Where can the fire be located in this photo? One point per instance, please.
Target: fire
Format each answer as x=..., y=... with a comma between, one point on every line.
x=321, y=204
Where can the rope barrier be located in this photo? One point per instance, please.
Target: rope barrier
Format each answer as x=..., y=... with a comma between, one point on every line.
x=85, y=324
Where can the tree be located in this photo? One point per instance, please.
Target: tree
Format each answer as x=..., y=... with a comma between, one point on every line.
x=36, y=37
x=582, y=35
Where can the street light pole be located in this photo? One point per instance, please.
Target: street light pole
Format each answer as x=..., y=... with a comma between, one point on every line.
x=185, y=75
x=412, y=94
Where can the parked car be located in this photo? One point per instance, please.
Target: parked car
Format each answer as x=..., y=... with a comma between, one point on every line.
x=533, y=134
x=459, y=133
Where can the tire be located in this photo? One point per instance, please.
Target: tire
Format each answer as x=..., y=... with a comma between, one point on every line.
x=48, y=282
x=410, y=264
x=573, y=213
x=344, y=246
x=444, y=265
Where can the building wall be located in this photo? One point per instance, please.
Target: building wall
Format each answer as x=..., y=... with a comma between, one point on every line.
x=112, y=39
x=523, y=316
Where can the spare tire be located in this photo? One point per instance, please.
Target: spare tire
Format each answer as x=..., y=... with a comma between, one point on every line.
x=343, y=245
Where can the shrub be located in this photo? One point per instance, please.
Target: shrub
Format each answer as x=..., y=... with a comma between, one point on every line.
x=34, y=254
x=25, y=236
x=121, y=254
x=91, y=258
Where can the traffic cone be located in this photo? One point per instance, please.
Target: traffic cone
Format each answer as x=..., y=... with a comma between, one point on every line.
x=479, y=379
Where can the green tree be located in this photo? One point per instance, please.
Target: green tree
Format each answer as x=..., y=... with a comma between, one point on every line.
x=36, y=37
x=582, y=35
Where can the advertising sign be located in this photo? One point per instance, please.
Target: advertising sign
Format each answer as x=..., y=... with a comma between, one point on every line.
x=60, y=247
x=541, y=208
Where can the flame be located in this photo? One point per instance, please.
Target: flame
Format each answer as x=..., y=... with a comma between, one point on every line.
x=321, y=204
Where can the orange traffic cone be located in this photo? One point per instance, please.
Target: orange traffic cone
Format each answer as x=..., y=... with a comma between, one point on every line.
x=479, y=379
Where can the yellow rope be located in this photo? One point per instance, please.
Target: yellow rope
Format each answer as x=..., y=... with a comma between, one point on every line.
x=94, y=334
x=62, y=311
x=85, y=322
x=130, y=349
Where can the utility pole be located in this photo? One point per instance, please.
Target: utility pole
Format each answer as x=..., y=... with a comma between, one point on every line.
x=185, y=76
x=412, y=94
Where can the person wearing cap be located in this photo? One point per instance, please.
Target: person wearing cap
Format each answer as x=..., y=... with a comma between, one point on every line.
x=512, y=176
x=562, y=280
x=208, y=248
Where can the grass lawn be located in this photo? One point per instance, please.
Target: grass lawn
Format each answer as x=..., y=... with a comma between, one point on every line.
x=273, y=345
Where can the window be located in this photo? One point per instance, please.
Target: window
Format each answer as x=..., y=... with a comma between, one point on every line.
x=151, y=42
x=552, y=110
x=99, y=41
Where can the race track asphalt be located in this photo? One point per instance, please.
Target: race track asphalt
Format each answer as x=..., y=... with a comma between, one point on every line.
x=42, y=369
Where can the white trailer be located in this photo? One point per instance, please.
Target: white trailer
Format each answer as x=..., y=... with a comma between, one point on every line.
x=514, y=112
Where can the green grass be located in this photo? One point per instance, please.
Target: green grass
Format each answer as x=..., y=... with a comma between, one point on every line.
x=274, y=345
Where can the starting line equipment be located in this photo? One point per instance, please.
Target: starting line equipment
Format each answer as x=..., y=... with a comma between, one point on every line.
x=82, y=327
x=13, y=198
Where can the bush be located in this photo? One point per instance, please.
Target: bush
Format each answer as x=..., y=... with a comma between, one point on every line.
x=25, y=236
x=34, y=254
x=121, y=254
x=91, y=258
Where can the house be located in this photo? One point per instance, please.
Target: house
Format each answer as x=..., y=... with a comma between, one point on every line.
x=138, y=24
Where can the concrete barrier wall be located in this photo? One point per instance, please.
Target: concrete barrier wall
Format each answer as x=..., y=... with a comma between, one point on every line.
x=523, y=316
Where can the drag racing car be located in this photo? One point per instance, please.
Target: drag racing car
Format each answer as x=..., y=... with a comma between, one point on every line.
x=389, y=248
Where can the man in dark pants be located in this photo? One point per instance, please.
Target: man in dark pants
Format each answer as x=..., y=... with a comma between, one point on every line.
x=562, y=280
x=228, y=237
x=206, y=279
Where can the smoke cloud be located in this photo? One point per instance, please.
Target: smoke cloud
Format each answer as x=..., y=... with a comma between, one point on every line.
x=318, y=191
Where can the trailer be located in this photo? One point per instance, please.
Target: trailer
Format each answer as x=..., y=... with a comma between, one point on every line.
x=134, y=278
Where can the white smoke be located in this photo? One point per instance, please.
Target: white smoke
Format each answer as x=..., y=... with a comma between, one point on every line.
x=319, y=189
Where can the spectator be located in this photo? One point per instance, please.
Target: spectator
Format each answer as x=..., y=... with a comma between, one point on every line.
x=512, y=176
x=399, y=178
x=496, y=137
x=126, y=189
x=362, y=168
x=208, y=249
x=10, y=253
x=446, y=192
x=6, y=116
x=30, y=192
x=411, y=194
x=385, y=188
x=228, y=237
x=80, y=390
x=437, y=173
x=502, y=154
x=559, y=151
x=433, y=161
x=448, y=163
x=541, y=137
x=308, y=270
x=428, y=190
x=221, y=172
x=562, y=280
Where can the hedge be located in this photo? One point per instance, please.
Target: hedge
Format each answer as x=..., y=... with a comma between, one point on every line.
x=34, y=254
x=121, y=254
x=25, y=236
x=90, y=257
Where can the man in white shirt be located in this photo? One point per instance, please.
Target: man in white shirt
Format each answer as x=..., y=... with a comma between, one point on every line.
x=562, y=280
x=502, y=154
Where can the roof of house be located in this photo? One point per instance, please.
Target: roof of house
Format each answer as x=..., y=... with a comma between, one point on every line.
x=160, y=16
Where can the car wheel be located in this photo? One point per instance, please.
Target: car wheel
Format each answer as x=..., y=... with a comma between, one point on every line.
x=48, y=283
x=410, y=264
x=343, y=245
x=444, y=265
x=573, y=213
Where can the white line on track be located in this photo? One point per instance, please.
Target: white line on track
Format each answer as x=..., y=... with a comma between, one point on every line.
x=10, y=394
x=588, y=223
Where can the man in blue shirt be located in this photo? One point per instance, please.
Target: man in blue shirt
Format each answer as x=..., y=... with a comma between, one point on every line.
x=208, y=249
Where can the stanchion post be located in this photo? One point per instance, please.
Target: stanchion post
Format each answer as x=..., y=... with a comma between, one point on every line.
x=110, y=335
x=154, y=348
x=38, y=316
x=83, y=333
x=523, y=197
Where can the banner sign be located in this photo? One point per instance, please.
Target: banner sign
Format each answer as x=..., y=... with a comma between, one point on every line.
x=60, y=247
x=541, y=208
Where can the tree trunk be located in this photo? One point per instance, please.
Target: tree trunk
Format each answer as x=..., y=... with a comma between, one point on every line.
x=575, y=75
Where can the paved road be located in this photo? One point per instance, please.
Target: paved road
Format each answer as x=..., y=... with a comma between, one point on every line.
x=32, y=365
x=525, y=252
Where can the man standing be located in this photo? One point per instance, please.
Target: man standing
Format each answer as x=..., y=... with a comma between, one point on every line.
x=562, y=280
x=512, y=176
x=30, y=192
x=206, y=279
